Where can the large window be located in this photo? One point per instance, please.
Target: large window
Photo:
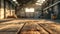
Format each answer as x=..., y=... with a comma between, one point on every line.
x=29, y=9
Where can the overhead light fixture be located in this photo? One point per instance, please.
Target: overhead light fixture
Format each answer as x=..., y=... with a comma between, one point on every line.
x=39, y=2
x=43, y=0
x=14, y=0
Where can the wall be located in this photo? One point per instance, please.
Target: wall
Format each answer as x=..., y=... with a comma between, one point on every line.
x=51, y=10
x=36, y=14
x=6, y=9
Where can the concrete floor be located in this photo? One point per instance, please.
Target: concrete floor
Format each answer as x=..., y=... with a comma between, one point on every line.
x=34, y=26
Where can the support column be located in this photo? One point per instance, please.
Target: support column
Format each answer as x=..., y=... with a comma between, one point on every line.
x=7, y=10
x=11, y=8
x=2, y=10
x=58, y=11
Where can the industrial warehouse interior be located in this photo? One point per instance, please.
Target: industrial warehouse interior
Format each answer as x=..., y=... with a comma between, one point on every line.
x=29, y=16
